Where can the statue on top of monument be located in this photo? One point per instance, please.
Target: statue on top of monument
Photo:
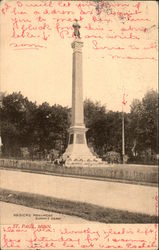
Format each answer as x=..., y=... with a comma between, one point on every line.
x=76, y=27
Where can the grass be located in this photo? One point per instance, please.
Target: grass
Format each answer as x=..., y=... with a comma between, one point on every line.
x=84, y=210
x=131, y=173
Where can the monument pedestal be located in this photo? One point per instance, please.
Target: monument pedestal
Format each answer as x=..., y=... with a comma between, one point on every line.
x=77, y=152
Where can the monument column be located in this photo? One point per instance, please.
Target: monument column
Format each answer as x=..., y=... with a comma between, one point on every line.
x=77, y=84
x=77, y=152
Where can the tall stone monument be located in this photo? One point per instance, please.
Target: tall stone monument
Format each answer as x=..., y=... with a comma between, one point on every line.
x=77, y=152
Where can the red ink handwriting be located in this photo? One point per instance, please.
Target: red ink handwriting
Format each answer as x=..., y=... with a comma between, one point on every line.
x=26, y=46
x=10, y=243
x=124, y=102
x=5, y=8
x=133, y=58
x=123, y=25
x=95, y=46
x=48, y=236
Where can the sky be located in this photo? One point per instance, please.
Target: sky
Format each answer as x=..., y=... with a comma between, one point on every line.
x=119, y=53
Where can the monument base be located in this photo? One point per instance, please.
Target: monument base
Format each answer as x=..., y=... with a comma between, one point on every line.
x=77, y=152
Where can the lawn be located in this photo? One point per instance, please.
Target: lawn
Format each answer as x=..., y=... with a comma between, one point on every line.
x=131, y=173
x=84, y=210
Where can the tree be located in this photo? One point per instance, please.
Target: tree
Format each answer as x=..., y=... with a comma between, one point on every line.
x=94, y=114
x=39, y=128
x=143, y=123
x=104, y=127
x=50, y=126
x=149, y=120
x=14, y=113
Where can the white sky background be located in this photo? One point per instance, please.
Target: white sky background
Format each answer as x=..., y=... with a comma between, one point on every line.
x=45, y=74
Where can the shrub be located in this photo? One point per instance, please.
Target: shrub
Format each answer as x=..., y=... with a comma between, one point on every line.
x=112, y=157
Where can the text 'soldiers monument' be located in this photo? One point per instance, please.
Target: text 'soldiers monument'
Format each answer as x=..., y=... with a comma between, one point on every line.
x=77, y=151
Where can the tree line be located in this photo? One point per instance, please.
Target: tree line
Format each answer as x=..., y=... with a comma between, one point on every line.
x=41, y=129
